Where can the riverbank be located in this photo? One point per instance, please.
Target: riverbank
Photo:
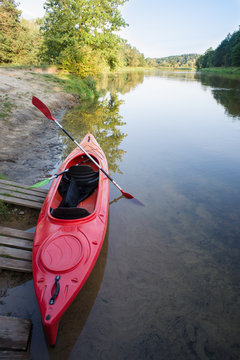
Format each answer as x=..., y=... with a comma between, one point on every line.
x=30, y=147
x=221, y=70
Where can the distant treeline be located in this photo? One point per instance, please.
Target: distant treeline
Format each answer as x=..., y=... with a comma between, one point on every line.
x=80, y=36
x=177, y=61
x=227, y=54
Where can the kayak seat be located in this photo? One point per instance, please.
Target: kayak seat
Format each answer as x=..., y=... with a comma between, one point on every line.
x=69, y=213
x=76, y=185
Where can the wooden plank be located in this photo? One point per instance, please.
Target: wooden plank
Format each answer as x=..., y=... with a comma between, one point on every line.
x=14, y=333
x=15, y=265
x=14, y=355
x=15, y=242
x=15, y=253
x=13, y=183
x=20, y=195
x=24, y=186
x=39, y=195
x=21, y=202
x=16, y=233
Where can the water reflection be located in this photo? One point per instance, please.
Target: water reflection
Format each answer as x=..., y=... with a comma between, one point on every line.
x=171, y=285
x=225, y=90
x=121, y=83
x=170, y=288
x=102, y=119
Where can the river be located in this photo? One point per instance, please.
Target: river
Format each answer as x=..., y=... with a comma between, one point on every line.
x=166, y=284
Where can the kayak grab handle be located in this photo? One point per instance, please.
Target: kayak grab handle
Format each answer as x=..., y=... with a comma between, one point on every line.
x=55, y=295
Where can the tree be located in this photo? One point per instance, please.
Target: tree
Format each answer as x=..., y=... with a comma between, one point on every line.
x=28, y=46
x=207, y=59
x=130, y=56
x=235, y=48
x=226, y=54
x=9, y=29
x=83, y=26
x=221, y=53
x=236, y=55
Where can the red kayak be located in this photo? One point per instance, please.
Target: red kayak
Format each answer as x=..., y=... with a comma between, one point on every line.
x=70, y=232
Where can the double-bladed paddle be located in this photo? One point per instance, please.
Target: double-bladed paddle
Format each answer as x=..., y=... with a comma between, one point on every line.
x=44, y=109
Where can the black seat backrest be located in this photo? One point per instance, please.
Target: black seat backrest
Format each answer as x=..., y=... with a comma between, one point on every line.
x=69, y=213
x=76, y=185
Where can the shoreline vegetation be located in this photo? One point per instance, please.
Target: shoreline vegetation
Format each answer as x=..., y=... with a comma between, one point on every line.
x=80, y=38
x=68, y=49
x=221, y=70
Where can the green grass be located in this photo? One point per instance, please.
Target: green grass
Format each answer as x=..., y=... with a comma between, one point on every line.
x=4, y=211
x=6, y=107
x=222, y=70
x=84, y=88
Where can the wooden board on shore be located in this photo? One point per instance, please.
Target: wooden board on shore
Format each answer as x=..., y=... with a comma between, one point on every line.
x=14, y=355
x=15, y=249
x=14, y=333
x=20, y=194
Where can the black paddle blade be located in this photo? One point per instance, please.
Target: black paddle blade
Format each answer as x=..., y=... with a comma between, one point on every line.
x=42, y=107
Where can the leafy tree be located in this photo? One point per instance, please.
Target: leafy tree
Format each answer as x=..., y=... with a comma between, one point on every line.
x=205, y=60
x=177, y=61
x=83, y=27
x=152, y=62
x=226, y=54
x=236, y=55
x=9, y=29
x=19, y=39
x=220, y=54
x=235, y=48
x=130, y=56
x=28, y=45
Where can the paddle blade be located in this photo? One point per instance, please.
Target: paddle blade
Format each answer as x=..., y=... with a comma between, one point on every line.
x=42, y=107
x=128, y=196
x=40, y=183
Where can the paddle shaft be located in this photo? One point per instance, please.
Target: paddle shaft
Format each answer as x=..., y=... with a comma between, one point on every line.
x=44, y=109
x=89, y=156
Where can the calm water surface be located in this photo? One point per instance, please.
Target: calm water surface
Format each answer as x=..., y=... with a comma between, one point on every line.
x=166, y=285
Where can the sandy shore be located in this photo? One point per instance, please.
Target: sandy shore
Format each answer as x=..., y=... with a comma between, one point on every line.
x=29, y=143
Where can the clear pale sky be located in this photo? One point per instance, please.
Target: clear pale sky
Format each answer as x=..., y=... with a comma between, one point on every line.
x=159, y=28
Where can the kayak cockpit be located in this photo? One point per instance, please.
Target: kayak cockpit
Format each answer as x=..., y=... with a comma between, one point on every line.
x=76, y=194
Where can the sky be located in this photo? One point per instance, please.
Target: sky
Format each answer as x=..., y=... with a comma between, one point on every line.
x=159, y=28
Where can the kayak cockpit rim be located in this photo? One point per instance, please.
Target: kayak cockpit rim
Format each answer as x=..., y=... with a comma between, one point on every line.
x=78, y=159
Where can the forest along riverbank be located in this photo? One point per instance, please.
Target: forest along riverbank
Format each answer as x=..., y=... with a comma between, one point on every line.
x=30, y=146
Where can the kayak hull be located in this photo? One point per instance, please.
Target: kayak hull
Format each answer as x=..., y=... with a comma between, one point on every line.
x=65, y=250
